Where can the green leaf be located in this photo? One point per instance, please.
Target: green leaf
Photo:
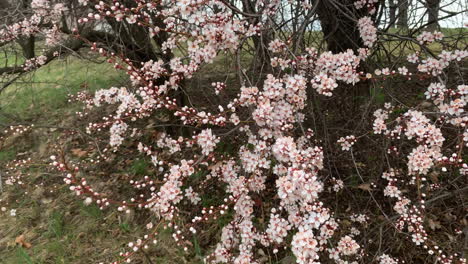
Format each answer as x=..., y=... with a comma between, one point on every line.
x=196, y=246
x=23, y=256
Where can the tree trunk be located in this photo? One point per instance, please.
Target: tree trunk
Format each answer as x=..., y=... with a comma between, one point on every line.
x=134, y=38
x=261, y=62
x=402, y=21
x=339, y=26
x=392, y=12
x=27, y=45
x=340, y=30
x=433, y=11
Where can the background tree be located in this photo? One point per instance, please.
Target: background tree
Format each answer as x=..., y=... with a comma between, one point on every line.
x=433, y=14
x=392, y=7
x=403, y=8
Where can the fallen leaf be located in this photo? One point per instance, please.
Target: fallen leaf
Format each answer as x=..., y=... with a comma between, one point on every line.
x=79, y=152
x=433, y=224
x=365, y=187
x=215, y=166
x=346, y=223
x=20, y=241
x=360, y=165
x=434, y=176
x=451, y=238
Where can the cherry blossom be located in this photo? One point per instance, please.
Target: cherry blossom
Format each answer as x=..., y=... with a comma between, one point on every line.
x=277, y=155
x=367, y=31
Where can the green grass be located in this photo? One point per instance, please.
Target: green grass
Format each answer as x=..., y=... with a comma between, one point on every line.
x=125, y=227
x=11, y=55
x=91, y=211
x=64, y=231
x=7, y=155
x=23, y=257
x=45, y=91
x=140, y=167
x=56, y=225
x=61, y=229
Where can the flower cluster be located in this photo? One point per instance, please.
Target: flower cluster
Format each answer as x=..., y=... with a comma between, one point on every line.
x=277, y=103
x=340, y=67
x=386, y=259
x=428, y=37
x=324, y=84
x=348, y=246
x=370, y=4
x=207, y=141
x=347, y=143
x=34, y=63
x=367, y=31
x=276, y=46
x=435, y=66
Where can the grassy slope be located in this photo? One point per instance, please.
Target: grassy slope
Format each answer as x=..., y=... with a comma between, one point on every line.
x=46, y=90
x=59, y=226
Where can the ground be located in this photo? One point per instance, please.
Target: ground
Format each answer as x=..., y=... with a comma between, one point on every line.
x=59, y=227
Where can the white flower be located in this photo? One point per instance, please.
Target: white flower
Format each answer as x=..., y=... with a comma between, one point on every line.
x=207, y=141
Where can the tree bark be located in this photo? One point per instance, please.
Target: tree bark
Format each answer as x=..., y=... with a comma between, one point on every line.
x=27, y=45
x=433, y=12
x=339, y=25
x=402, y=21
x=134, y=38
x=392, y=12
